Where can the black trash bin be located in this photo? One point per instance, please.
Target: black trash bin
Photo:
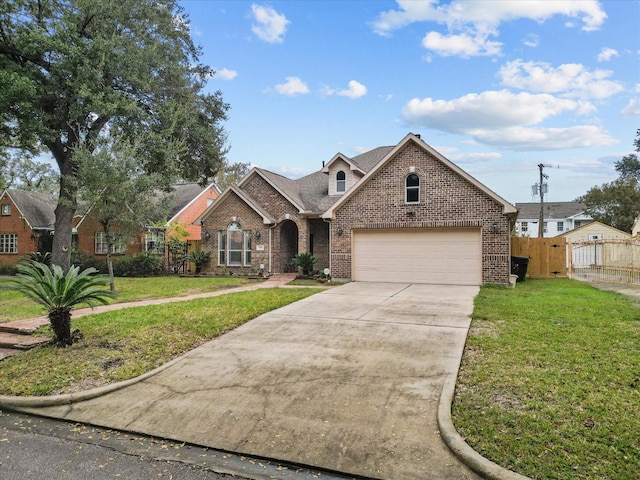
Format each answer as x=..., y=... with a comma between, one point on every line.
x=519, y=267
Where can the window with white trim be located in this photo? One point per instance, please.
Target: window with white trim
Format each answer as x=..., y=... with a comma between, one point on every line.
x=560, y=226
x=341, y=182
x=234, y=246
x=524, y=227
x=101, y=244
x=8, y=243
x=154, y=242
x=412, y=188
x=6, y=209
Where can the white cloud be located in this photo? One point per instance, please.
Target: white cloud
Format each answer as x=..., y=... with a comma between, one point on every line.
x=487, y=12
x=462, y=45
x=410, y=12
x=471, y=22
x=632, y=109
x=607, y=54
x=522, y=138
x=504, y=119
x=292, y=86
x=355, y=90
x=270, y=25
x=226, y=74
x=569, y=79
x=490, y=109
x=532, y=40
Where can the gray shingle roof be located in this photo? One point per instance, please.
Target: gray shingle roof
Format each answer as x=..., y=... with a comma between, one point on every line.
x=367, y=160
x=182, y=194
x=38, y=209
x=552, y=210
x=311, y=192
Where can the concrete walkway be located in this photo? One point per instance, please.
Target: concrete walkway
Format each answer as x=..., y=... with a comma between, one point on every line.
x=348, y=380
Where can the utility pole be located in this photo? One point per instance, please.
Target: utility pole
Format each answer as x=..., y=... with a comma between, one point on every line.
x=543, y=187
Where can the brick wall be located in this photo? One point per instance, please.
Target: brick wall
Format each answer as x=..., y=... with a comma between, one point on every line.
x=446, y=200
x=86, y=238
x=292, y=233
x=15, y=224
x=193, y=211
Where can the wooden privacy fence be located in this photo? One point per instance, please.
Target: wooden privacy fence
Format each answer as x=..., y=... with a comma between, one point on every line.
x=547, y=256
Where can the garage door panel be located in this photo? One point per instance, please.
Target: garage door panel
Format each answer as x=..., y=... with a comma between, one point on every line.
x=449, y=256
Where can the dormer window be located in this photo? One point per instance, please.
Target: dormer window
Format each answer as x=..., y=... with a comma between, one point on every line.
x=341, y=182
x=412, y=188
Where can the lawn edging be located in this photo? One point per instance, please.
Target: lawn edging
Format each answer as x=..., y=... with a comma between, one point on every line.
x=452, y=439
x=18, y=403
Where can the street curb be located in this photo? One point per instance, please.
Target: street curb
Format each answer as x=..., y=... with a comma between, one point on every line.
x=452, y=439
x=18, y=403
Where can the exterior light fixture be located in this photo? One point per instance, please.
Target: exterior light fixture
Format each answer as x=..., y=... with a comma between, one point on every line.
x=494, y=227
x=258, y=234
x=339, y=231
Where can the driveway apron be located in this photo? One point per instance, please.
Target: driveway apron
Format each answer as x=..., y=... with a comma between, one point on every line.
x=348, y=380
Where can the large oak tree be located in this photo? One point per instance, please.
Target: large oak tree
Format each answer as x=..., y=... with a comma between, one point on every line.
x=75, y=71
x=617, y=203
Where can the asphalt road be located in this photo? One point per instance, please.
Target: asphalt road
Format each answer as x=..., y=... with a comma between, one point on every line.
x=35, y=448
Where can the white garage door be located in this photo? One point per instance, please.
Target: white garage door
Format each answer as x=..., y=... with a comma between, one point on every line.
x=441, y=256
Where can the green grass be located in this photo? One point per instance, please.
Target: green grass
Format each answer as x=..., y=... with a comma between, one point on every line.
x=124, y=344
x=549, y=384
x=14, y=306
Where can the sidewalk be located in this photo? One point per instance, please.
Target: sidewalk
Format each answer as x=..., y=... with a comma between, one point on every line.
x=16, y=336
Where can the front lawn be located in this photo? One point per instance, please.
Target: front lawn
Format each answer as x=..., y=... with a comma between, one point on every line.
x=549, y=384
x=126, y=343
x=15, y=306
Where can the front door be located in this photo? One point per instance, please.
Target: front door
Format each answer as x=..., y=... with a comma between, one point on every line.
x=288, y=246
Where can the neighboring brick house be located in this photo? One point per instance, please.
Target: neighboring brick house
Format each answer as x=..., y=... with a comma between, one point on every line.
x=188, y=201
x=403, y=213
x=26, y=224
x=559, y=217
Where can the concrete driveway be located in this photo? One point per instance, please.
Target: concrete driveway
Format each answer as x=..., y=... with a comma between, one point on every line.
x=348, y=380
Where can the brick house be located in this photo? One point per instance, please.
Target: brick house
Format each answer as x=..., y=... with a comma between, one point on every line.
x=402, y=213
x=188, y=201
x=27, y=220
x=26, y=224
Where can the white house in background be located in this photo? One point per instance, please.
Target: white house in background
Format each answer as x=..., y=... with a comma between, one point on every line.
x=559, y=217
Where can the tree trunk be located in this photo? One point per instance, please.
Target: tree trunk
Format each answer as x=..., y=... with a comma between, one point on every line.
x=107, y=235
x=60, y=320
x=66, y=209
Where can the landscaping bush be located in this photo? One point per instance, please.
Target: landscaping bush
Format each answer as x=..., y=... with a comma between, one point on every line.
x=6, y=269
x=143, y=264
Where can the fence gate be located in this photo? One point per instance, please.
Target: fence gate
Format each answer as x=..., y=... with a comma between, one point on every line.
x=605, y=260
x=547, y=256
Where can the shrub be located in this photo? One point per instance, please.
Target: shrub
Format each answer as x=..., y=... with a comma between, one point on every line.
x=306, y=261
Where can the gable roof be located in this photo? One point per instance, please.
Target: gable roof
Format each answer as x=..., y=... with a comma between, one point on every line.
x=37, y=209
x=590, y=225
x=245, y=197
x=385, y=154
x=363, y=162
x=552, y=210
x=186, y=194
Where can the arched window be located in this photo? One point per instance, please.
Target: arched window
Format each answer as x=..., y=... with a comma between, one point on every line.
x=412, y=189
x=234, y=246
x=341, y=182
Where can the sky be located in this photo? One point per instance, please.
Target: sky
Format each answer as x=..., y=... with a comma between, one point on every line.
x=496, y=86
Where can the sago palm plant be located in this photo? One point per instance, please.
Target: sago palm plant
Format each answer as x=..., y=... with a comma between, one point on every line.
x=60, y=293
